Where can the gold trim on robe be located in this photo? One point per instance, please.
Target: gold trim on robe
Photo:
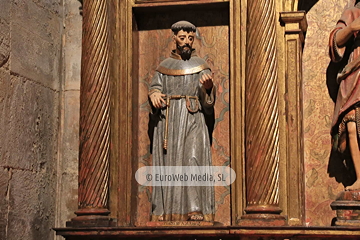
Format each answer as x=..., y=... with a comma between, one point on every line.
x=175, y=66
x=179, y=72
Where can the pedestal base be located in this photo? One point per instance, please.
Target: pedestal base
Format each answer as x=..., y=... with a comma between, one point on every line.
x=76, y=223
x=91, y=218
x=347, y=206
x=266, y=220
x=223, y=232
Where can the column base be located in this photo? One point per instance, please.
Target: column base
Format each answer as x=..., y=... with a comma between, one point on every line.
x=347, y=206
x=91, y=218
x=266, y=220
x=262, y=215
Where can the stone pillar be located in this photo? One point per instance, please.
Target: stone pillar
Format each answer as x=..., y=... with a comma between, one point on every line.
x=261, y=117
x=295, y=26
x=94, y=118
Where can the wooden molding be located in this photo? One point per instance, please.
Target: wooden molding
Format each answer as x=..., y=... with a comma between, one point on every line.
x=294, y=26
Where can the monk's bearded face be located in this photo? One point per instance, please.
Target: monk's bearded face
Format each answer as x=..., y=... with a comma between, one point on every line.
x=184, y=41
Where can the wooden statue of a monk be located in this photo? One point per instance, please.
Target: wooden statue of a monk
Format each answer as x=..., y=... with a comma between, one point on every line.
x=182, y=91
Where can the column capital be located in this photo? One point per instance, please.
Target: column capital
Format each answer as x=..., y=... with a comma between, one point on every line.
x=295, y=23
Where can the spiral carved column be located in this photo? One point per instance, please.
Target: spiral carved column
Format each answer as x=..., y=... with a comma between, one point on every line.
x=262, y=117
x=94, y=116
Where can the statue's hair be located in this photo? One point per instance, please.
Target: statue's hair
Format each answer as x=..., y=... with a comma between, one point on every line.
x=183, y=25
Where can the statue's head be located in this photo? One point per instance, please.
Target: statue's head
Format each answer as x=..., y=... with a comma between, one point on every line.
x=184, y=35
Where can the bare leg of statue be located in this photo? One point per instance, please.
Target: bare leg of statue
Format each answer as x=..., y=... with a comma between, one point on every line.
x=355, y=154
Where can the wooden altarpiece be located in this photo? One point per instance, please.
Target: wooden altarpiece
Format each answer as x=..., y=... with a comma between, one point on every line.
x=264, y=40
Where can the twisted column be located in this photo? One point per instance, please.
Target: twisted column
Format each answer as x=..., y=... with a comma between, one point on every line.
x=261, y=116
x=94, y=114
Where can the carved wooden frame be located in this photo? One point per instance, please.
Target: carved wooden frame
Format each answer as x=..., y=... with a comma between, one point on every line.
x=122, y=128
x=120, y=164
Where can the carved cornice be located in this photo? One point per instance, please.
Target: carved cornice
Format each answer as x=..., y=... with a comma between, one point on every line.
x=295, y=23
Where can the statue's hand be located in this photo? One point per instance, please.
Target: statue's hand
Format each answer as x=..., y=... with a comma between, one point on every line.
x=207, y=81
x=355, y=25
x=157, y=100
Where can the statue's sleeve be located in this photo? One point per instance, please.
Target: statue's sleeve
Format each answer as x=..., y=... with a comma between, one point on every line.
x=207, y=98
x=337, y=52
x=156, y=83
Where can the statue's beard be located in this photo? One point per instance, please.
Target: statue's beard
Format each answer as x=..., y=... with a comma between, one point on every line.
x=185, y=51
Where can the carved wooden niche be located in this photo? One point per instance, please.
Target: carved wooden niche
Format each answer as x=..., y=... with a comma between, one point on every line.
x=141, y=40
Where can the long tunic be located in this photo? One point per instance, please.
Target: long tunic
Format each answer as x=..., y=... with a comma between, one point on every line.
x=188, y=138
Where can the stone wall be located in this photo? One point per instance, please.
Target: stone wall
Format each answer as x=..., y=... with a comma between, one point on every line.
x=37, y=89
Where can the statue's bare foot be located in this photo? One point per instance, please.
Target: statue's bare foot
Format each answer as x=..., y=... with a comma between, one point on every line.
x=161, y=218
x=196, y=216
x=355, y=186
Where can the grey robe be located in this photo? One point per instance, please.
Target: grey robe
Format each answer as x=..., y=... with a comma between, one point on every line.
x=188, y=139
